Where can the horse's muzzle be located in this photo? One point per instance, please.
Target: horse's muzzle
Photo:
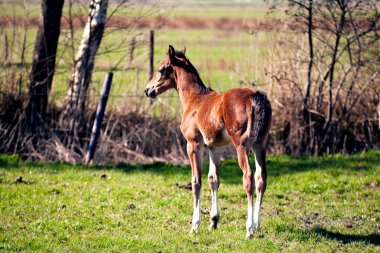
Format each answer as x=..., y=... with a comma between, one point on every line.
x=150, y=93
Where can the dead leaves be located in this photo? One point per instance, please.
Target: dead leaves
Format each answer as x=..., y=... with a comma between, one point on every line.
x=186, y=186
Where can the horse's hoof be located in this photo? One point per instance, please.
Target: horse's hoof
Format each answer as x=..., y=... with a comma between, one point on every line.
x=195, y=227
x=213, y=223
x=213, y=226
x=249, y=234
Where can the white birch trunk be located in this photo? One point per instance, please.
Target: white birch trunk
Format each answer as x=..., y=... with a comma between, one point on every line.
x=84, y=62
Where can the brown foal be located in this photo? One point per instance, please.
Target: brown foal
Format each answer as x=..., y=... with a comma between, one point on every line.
x=211, y=120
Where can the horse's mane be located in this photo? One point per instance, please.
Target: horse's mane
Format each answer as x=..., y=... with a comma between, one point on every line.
x=190, y=68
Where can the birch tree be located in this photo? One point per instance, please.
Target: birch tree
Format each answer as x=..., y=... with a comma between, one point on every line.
x=84, y=63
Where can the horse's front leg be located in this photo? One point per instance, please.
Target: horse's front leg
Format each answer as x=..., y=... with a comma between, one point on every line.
x=213, y=181
x=194, y=151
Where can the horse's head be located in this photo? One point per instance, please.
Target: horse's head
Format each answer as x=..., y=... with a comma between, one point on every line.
x=164, y=78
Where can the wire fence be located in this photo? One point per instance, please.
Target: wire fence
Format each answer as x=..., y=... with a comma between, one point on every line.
x=136, y=128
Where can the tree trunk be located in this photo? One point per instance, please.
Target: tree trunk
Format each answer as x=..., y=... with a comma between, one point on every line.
x=306, y=99
x=42, y=72
x=84, y=63
x=339, y=31
x=378, y=112
x=328, y=141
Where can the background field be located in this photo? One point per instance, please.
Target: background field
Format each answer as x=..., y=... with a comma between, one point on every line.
x=224, y=58
x=326, y=204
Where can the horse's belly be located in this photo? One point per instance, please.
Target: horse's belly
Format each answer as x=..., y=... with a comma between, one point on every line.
x=216, y=139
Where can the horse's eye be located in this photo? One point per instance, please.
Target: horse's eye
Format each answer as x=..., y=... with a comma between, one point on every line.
x=161, y=70
x=168, y=70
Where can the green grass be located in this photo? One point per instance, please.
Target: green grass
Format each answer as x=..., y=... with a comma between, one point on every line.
x=320, y=204
x=230, y=50
x=211, y=9
x=232, y=57
x=217, y=63
x=252, y=11
x=225, y=59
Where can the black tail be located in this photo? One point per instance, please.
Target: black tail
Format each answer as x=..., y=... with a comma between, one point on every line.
x=262, y=115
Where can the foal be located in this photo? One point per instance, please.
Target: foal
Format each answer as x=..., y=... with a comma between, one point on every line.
x=211, y=120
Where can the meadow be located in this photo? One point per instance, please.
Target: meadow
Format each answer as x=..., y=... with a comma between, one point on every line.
x=255, y=9
x=224, y=58
x=321, y=204
x=324, y=204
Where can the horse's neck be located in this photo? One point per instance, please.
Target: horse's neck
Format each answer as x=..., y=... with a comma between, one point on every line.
x=188, y=87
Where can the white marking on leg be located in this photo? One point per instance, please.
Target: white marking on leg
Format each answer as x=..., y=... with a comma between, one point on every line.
x=214, y=207
x=250, y=223
x=259, y=182
x=194, y=151
x=256, y=214
x=196, y=222
x=214, y=185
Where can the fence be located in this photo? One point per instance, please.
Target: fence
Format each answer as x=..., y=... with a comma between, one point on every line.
x=136, y=130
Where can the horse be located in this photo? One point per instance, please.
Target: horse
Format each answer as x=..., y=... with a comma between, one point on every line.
x=211, y=121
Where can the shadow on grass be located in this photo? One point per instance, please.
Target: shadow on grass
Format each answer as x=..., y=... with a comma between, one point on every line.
x=344, y=238
x=230, y=171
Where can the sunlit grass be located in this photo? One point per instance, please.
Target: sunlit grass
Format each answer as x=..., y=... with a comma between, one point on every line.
x=213, y=9
x=233, y=59
x=319, y=204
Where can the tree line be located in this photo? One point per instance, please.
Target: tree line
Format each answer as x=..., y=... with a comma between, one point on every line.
x=43, y=66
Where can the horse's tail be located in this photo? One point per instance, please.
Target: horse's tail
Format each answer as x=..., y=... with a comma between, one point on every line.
x=261, y=116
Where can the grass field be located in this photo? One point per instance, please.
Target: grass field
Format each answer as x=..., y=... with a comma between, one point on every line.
x=234, y=59
x=214, y=9
x=325, y=204
x=217, y=63
x=224, y=59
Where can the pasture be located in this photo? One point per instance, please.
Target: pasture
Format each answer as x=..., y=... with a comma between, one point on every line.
x=224, y=58
x=324, y=204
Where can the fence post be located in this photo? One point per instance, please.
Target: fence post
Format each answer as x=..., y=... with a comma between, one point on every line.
x=131, y=50
x=151, y=53
x=99, y=118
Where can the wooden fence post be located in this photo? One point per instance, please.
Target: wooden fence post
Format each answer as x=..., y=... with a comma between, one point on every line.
x=151, y=53
x=99, y=118
x=132, y=50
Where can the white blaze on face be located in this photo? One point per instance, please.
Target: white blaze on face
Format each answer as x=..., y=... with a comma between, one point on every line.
x=158, y=77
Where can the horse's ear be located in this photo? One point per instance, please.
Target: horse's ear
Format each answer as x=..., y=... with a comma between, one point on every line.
x=184, y=50
x=171, y=52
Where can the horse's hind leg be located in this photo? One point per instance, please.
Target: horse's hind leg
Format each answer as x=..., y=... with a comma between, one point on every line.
x=260, y=180
x=213, y=181
x=243, y=157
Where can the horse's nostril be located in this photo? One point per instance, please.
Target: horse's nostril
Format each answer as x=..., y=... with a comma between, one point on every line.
x=152, y=94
